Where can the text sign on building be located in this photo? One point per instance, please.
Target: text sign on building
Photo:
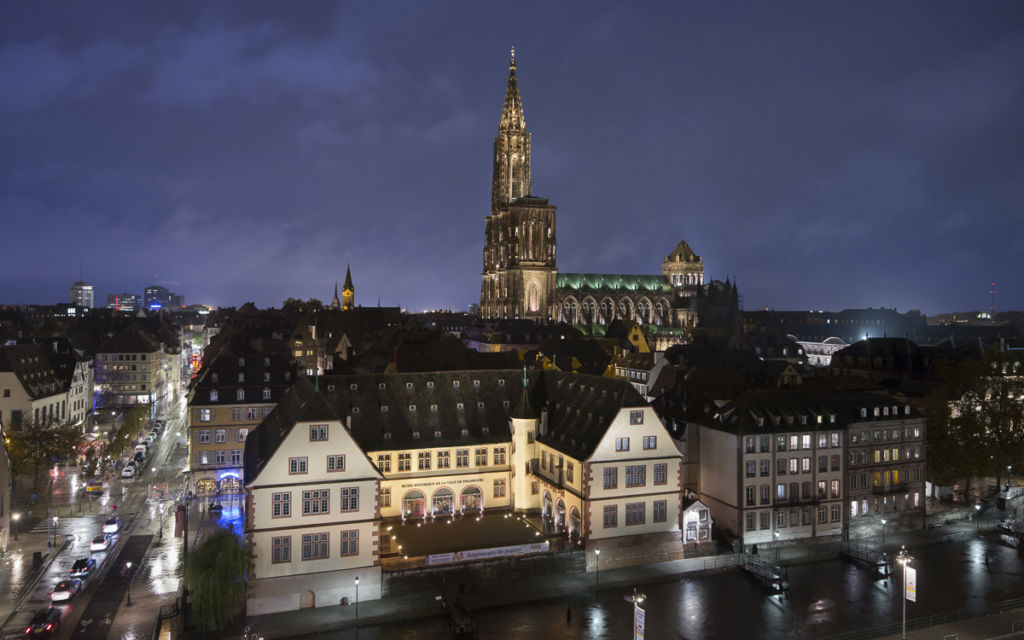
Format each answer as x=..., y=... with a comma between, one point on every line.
x=911, y=584
x=638, y=623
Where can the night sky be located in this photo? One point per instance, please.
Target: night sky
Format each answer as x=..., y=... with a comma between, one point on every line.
x=825, y=154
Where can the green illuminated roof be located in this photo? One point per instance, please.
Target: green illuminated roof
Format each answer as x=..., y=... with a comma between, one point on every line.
x=610, y=282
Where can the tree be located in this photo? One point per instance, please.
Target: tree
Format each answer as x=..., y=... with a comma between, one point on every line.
x=134, y=420
x=215, y=575
x=976, y=419
x=35, y=446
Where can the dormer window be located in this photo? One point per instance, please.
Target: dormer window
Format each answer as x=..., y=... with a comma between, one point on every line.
x=504, y=403
x=214, y=378
x=387, y=435
x=355, y=409
x=863, y=412
x=381, y=386
x=455, y=384
x=876, y=412
x=408, y=385
x=415, y=435
x=287, y=376
x=412, y=408
x=437, y=434
x=433, y=408
x=479, y=405
x=266, y=362
x=241, y=376
x=353, y=387
x=476, y=384
x=266, y=376
x=241, y=362
x=430, y=384
x=885, y=411
x=458, y=405
x=240, y=394
x=465, y=432
x=501, y=382
x=213, y=395
x=486, y=430
x=383, y=408
x=803, y=419
x=266, y=393
x=906, y=410
x=760, y=422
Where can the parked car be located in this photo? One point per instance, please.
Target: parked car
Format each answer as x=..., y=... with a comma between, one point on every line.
x=83, y=567
x=128, y=471
x=101, y=542
x=112, y=525
x=139, y=457
x=65, y=590
x=44, y=623
x=94, y=486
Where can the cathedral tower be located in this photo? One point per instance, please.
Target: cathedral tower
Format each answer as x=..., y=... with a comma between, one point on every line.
x=519, y=246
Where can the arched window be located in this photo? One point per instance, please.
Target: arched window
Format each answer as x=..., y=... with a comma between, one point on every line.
x=412, y=504
x=532, y=297
x=471, y=498
x=442, y=501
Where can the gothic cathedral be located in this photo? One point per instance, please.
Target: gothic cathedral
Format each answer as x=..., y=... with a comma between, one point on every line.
x=519, y=250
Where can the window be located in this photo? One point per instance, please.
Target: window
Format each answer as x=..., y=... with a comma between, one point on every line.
x=834, y=513
x=204, y=436
x=622, y=444
x=611, y=478
x=751, y=467
x=835, y=463
x=780, y=443
x=821, y=488
x=220, y=436
x=213, y=395
x=661, y=473
x=822, y=438
x=481, y=457
x=499, y=488
x=750, y=496
x=282, y=505
x=315, y=545
x=350, y=499
x=835, y=489
x=765, y=494
x=423, y=460
x=636, y=417
x=336, y=463
x=237, y=414
x=635, y=513
x=350, y=542
x=240, y=394
x=780, y=519
x=385, y=496
x=805, y=465
x=236, y=456
x=636, y=475
x=461, y=458
x=404, y=461
x=780, y=491
x=751, y=520
x=611, y=516
x=243, y=434
x=764, y=467
x=794, y=465
x=822, y=464
x=317, y=432
x=296, y=465
x=660, y=510
x=750, y=443
x=781, y=467
x=499, y=455
x=794, y=443
x=568, y=472
x=650, y=442
x=204, y=457
x=281, y=549
x=316, y=502
x=266, y=394
x=205, y=415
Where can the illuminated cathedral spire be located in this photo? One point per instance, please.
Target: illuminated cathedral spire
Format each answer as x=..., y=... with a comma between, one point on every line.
x=511, y=178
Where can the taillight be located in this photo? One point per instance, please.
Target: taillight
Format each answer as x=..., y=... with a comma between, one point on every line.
x=28, y=630
x=49, y=626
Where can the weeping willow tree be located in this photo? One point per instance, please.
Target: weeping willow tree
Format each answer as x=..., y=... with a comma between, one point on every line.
x=215, y=576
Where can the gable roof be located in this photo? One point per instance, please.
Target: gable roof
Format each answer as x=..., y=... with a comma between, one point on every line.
x=29, y=364
x=301, y=403
x=682, y=253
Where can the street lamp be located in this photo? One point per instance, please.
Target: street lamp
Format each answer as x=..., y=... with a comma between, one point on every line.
x=597, y=561
x=775, y=547
x=904, y=559
x=16, y=516
x=357, y=597
x=55, y=531
x=977, y=515
x=883, y=533
x=129, y=572
x=638, y=614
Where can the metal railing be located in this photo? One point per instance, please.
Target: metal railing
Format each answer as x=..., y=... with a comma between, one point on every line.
x=930, y=621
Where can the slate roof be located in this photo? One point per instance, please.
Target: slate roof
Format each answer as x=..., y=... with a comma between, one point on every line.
x=300, y=403
x=611, y=282
x=129, y=342
x=33, y=370
x=784, y=410
x=221, y=374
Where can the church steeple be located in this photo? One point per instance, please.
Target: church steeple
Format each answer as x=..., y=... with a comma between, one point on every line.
x=511, y=147
x=348, y=292
x=335, y=303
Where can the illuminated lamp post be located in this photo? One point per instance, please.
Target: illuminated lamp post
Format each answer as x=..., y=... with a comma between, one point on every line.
x=639, y=615
x=16, y=516
x=905, y=559
x=597, y=561
x=883, y=533
x=129, y=566
x=357, y=597
x=977, y=516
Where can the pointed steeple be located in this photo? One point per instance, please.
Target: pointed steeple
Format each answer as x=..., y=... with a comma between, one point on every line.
x=524, y=410
x=335, y=302
x=512, y=112
x=348, y=292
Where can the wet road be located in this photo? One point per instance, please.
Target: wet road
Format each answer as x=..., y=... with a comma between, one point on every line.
x=79, y=521
x=827, y=598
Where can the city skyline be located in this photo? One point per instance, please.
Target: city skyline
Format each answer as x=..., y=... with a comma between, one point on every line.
x=823, y=157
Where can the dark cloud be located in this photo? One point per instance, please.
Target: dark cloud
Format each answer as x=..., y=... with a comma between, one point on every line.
x=826, y=155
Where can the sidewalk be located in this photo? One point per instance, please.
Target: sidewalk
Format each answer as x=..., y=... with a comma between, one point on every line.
x=16, y=571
